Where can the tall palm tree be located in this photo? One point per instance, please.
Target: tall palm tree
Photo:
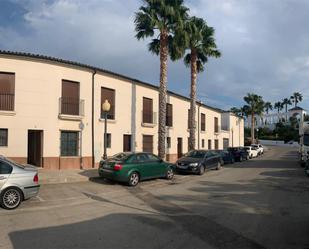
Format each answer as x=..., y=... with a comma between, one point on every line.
x=255, y=106
x=279, y=106
x=268, y=107
x=286, y=102
x=201, y=44
x=160, y=19
x=296, y=97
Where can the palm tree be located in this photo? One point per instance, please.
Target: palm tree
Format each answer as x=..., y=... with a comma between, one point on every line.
x=201, y=44
x=268, y=107
x=161, y=19
x=296, y=97
x=255, y=106
x=286, y=102
x=279, y=106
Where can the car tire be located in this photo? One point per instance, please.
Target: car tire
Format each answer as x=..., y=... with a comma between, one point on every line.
x=201, y=170
x=232, y=161
x=247, y=157
x=134, y=179
x=218, y=166
x=11, y=198
x=169, y=174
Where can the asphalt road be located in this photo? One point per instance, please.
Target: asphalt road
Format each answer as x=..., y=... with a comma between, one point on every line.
x=262, y=203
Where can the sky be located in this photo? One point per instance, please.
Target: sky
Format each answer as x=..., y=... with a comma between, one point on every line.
x=264, y=43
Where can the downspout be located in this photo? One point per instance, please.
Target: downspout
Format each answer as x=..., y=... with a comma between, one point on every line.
x=92, y=119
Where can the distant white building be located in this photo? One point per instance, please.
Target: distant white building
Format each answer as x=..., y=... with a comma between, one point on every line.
x=270, y=120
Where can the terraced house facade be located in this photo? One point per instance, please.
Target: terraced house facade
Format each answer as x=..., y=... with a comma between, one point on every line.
x=51, y=116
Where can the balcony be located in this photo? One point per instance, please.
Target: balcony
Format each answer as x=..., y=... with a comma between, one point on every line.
x=7, y=102
x=149, y=119
x=71, y=108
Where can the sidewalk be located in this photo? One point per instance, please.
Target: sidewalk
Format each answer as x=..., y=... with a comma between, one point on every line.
x=66, y=176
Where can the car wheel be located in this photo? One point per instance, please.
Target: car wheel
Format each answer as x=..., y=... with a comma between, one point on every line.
x=201, y=170
x=134, y=179
x=247, y=158
x=218, y=166
x=233, y=160
x=169, y=174
x=11, y=198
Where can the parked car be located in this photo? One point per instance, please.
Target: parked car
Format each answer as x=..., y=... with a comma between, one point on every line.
x=17, y=183
x=197, y=161
x=307, y=168
x=252, y=151
x=131, y=168
x=239, y=153
x=259, y=148
x=226, y=155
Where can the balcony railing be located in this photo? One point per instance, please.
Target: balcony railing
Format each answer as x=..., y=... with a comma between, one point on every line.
x=71, y=106
x=149, y=118
x=7, y=102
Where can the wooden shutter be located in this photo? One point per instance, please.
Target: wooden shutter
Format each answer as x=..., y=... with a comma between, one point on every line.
x=169, y=115
x=216, y=144
x=148, y=143
x=126, y=143
x=108, y=94
x=147, y=110
x=70, y=97
x=203, y=122
x=216, y=125
x=7, y=91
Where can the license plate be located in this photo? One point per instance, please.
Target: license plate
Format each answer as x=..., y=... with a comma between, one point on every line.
x=182, y=167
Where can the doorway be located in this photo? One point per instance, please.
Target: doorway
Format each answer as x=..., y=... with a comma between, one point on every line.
x=35, y=148
x=179, y=147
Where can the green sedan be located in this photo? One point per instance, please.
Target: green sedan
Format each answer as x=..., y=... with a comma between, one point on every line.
x=132, y=167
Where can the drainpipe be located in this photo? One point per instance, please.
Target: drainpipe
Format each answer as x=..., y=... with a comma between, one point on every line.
x=198, y=124
x=92, y=119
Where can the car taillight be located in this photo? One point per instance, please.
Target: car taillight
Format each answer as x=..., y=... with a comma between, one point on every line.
x=36, y=178
x=117, y=167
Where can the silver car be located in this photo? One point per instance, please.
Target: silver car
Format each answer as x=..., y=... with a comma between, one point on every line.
x=17, y=183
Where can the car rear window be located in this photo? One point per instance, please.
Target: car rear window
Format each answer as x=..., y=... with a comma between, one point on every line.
x=14, y=163
x=121, y=156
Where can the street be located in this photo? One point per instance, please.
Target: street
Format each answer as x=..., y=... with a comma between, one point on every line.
x=260, y=203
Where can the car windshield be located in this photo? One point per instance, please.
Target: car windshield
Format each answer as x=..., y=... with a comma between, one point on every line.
x=306, y=139
x=14, y=163
x=196, y=154
x=121, y=156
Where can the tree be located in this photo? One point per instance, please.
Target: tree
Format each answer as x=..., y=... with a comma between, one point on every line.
x=286, y=102
x=161, y=19
x=278, y=105
x=255, y=106
x=201, y=44
x=268, y=107
x=235, y=110
x=296, y=97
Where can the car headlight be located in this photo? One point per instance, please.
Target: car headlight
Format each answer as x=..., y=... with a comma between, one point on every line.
x=193, y=164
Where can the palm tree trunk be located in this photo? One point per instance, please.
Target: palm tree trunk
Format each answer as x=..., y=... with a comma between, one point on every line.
x=193, y=100
x=252, y=128
x=162, y=93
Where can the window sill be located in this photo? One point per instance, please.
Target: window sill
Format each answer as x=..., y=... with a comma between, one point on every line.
x=111, y=121
x=203, y=132
x=70, y=117
x=149, y=125
x=7, y=113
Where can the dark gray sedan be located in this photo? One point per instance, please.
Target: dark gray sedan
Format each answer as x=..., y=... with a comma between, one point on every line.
x=197, y=161
x=17, y=183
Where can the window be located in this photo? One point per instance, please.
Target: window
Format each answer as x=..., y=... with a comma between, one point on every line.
x=5, y=168
x=153, y=158
x=216, y=144
x=216, y=125
x=147, y=110
x=209, y=144
x=108, y=94
x=168, y=142
x=7, y=91
x=169, y=115
x=3, y=137
x=203, y=143
x=203, y=122
x=148, y=143
x=108, y=140
x=69, y=143
x=70, y=98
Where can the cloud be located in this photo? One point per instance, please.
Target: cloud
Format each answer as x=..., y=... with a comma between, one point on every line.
x=264, y=43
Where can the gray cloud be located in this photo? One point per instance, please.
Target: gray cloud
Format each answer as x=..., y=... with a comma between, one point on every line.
x=264, y=44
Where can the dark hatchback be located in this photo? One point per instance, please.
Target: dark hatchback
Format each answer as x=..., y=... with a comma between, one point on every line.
x=227, y=156
x=197, y=161
x=240, y=154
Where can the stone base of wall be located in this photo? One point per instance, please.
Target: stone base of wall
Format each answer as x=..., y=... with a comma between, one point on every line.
x=21, y=160
x=172, y=158
x=59, y=163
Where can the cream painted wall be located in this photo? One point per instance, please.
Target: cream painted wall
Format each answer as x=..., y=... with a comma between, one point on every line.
x=37, y=92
